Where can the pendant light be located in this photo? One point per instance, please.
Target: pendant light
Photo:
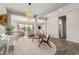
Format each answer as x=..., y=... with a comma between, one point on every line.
x=29, y=14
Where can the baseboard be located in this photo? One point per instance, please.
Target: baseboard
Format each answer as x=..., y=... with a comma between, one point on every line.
x=73, y=41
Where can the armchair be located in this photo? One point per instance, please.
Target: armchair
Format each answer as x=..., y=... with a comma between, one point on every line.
x=44, y=40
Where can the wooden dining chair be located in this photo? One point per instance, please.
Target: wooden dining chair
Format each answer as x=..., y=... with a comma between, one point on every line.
x=45, y=40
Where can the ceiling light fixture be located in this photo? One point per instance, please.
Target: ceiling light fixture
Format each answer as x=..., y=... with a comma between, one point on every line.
x=60, y=9
x=29, y=14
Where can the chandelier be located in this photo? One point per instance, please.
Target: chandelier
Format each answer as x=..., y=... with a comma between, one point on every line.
x=29, y=14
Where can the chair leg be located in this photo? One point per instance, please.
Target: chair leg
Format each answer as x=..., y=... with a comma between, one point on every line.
x=49, y=44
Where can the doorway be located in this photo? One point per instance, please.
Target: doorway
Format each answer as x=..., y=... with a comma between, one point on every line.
x=28, y=29
x=62, y=26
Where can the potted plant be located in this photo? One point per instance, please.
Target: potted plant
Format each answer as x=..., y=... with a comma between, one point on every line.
x=9, y=30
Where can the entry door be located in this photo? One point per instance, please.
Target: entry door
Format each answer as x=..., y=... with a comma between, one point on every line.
x=62, y=26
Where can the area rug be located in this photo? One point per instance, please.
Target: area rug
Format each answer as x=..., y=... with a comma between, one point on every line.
x=25, y=46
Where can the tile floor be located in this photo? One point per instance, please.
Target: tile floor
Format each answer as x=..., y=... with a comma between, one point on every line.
x=65, y=47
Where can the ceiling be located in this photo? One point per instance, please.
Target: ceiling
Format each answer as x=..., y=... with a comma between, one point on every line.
x=38, y=9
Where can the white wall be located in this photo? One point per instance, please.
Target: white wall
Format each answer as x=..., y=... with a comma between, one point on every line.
x=73, y=26
x=2, y=9
x=72, y=13
x=52, y=26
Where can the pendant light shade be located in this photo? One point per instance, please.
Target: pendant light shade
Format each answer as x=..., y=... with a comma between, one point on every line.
x=29, y=14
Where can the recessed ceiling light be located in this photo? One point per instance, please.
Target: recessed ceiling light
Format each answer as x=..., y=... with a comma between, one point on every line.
x=60, y=9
